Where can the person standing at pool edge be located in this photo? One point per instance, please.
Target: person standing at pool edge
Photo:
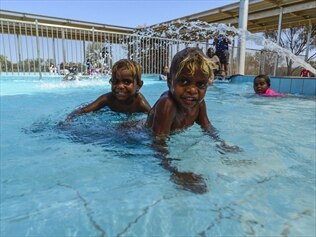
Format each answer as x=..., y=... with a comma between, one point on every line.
x=124, y=96
x=261, y=85
x=221, y=45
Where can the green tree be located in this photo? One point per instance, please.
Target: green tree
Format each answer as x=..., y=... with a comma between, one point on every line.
x=5, y=63
x=295, y=39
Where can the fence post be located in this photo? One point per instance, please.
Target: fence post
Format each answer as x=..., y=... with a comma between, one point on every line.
x=38, y=50
x=308, y=39
x=64, y=50
x=243, y=21
x=278, y=39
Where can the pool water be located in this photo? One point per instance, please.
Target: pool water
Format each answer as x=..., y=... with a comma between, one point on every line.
x=98, y=176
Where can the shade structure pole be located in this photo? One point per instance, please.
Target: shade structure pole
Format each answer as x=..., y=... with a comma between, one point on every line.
x=243, y=20
x=278, y=40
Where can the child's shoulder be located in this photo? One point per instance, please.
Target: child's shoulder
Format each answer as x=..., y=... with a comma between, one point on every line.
x=166, y=100
x=107, y=95
x=106, y=98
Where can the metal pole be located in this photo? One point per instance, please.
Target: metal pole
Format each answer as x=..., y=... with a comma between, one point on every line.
x=38, y=50
x=27, y=49
x=18, y=53
x=4, y=53
x=20, y=46
x=243, y=20
x=278, y=39
x=32, y=46
x=84, y=49
x=232, y=68
x=63, y=48
x=54, y=52
x=308, y=40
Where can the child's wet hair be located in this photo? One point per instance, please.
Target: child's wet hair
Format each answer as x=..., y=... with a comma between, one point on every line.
x=130, y=65
x=192, y=59
x=265, y=77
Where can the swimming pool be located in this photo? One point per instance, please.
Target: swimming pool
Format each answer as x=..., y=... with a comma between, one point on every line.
x=97, y=177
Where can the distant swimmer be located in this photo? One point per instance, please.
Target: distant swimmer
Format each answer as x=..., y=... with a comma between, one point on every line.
x=261, y=85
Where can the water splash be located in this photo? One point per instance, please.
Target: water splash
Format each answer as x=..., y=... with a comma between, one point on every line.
x=73, y=84
x=201, y=31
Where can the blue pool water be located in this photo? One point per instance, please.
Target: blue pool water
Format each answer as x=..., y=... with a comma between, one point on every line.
x=100, y=177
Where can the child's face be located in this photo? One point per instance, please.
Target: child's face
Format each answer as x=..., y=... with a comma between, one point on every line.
x=260, y=86
x=124, y=85
x=189, y=90
x=166, y=69
x=210, y=53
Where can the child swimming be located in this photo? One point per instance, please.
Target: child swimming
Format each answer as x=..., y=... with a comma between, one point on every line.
x=182, y=106
x=124, y=96
x=261, y=85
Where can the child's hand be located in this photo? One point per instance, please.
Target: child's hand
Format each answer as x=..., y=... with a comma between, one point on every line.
x=228, y=148
x=64, y=123
x=190, y=181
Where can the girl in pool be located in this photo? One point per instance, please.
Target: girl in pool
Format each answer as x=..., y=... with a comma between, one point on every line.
x=261, y=85
x=124, y=96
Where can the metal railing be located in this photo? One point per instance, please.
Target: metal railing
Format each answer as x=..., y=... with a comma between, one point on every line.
x=32, y=47
x=29, y=48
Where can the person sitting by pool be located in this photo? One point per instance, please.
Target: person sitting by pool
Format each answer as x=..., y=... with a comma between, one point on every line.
x=215, y=59
x=164, y=73
x=183, y=105
x=261, y=85
x=72, y=73
x=304, y=72
x=124, y=96
x=52, y=69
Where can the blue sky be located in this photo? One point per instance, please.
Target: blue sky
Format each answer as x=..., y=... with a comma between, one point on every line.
x=127, y=13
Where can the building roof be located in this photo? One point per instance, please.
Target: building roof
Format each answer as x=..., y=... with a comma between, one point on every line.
x=64, y=22
x=263, y=15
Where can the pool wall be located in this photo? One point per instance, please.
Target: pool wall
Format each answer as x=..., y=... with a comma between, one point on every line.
x=288, y=85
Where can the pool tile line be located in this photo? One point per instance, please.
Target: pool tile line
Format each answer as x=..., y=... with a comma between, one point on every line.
x=87, y=209
x=217, y=220
x=232, y=215
x=287, y=225
x=145, y=211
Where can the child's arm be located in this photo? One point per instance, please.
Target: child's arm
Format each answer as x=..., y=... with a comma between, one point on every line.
x=187, y=180
x=163, y=116
x=144, y=106
x=215, y=41
x=206, y=125
x=160, y=121
x=99, y=103
x=228, y=40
